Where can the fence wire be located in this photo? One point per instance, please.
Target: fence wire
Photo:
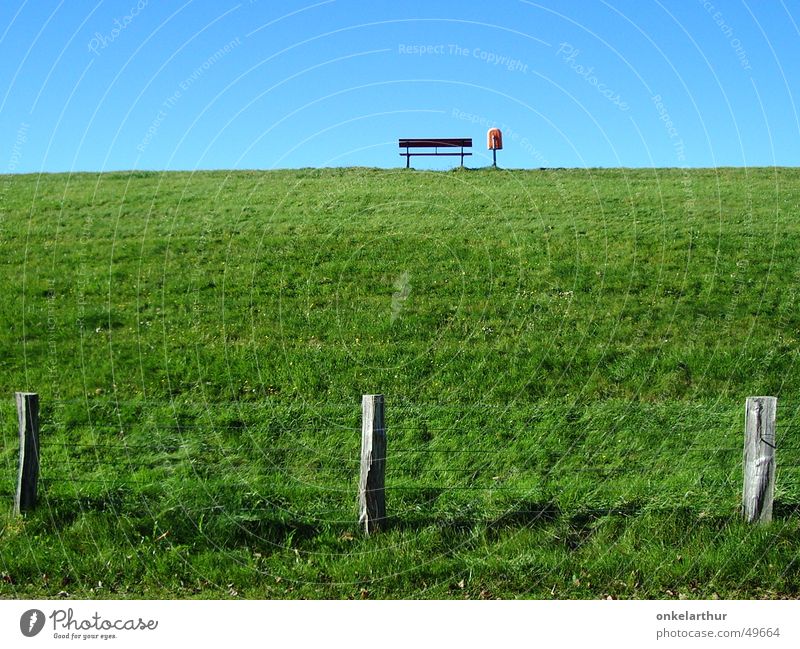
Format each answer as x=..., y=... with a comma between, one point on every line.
x=324, y=458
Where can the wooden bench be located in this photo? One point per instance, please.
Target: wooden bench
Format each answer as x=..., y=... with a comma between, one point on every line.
x=435, y=144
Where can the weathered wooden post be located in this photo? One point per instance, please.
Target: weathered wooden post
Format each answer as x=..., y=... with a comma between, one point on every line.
x=28, y=416
x=371, y=486
x=759, y=459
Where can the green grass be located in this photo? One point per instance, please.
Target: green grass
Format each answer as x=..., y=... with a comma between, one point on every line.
x=565, y=356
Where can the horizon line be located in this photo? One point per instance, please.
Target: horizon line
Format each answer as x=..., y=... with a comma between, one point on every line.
x=399, y=168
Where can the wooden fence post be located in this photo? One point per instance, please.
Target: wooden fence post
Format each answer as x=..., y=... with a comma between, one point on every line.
x=371, y=487
x=28, y=416
x=759, y=459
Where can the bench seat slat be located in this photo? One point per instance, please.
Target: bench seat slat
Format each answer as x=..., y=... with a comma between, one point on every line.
x=434, y=142
x=416, y=154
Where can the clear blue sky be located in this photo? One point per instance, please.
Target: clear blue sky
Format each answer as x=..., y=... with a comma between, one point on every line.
x=142, y=84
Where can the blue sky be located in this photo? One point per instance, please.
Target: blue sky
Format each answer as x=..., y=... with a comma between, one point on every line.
x=140, y=84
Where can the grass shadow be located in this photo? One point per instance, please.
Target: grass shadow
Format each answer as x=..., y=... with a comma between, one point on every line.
x=784, y=511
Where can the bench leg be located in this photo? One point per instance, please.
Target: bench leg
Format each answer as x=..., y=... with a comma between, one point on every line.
x=408, y=159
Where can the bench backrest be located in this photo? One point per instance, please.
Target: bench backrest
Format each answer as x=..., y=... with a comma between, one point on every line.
x=435, y=142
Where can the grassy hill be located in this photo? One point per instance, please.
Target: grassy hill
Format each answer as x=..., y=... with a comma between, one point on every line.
x=565, y=356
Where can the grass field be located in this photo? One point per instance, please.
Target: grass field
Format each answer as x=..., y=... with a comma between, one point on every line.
x=565, y=356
